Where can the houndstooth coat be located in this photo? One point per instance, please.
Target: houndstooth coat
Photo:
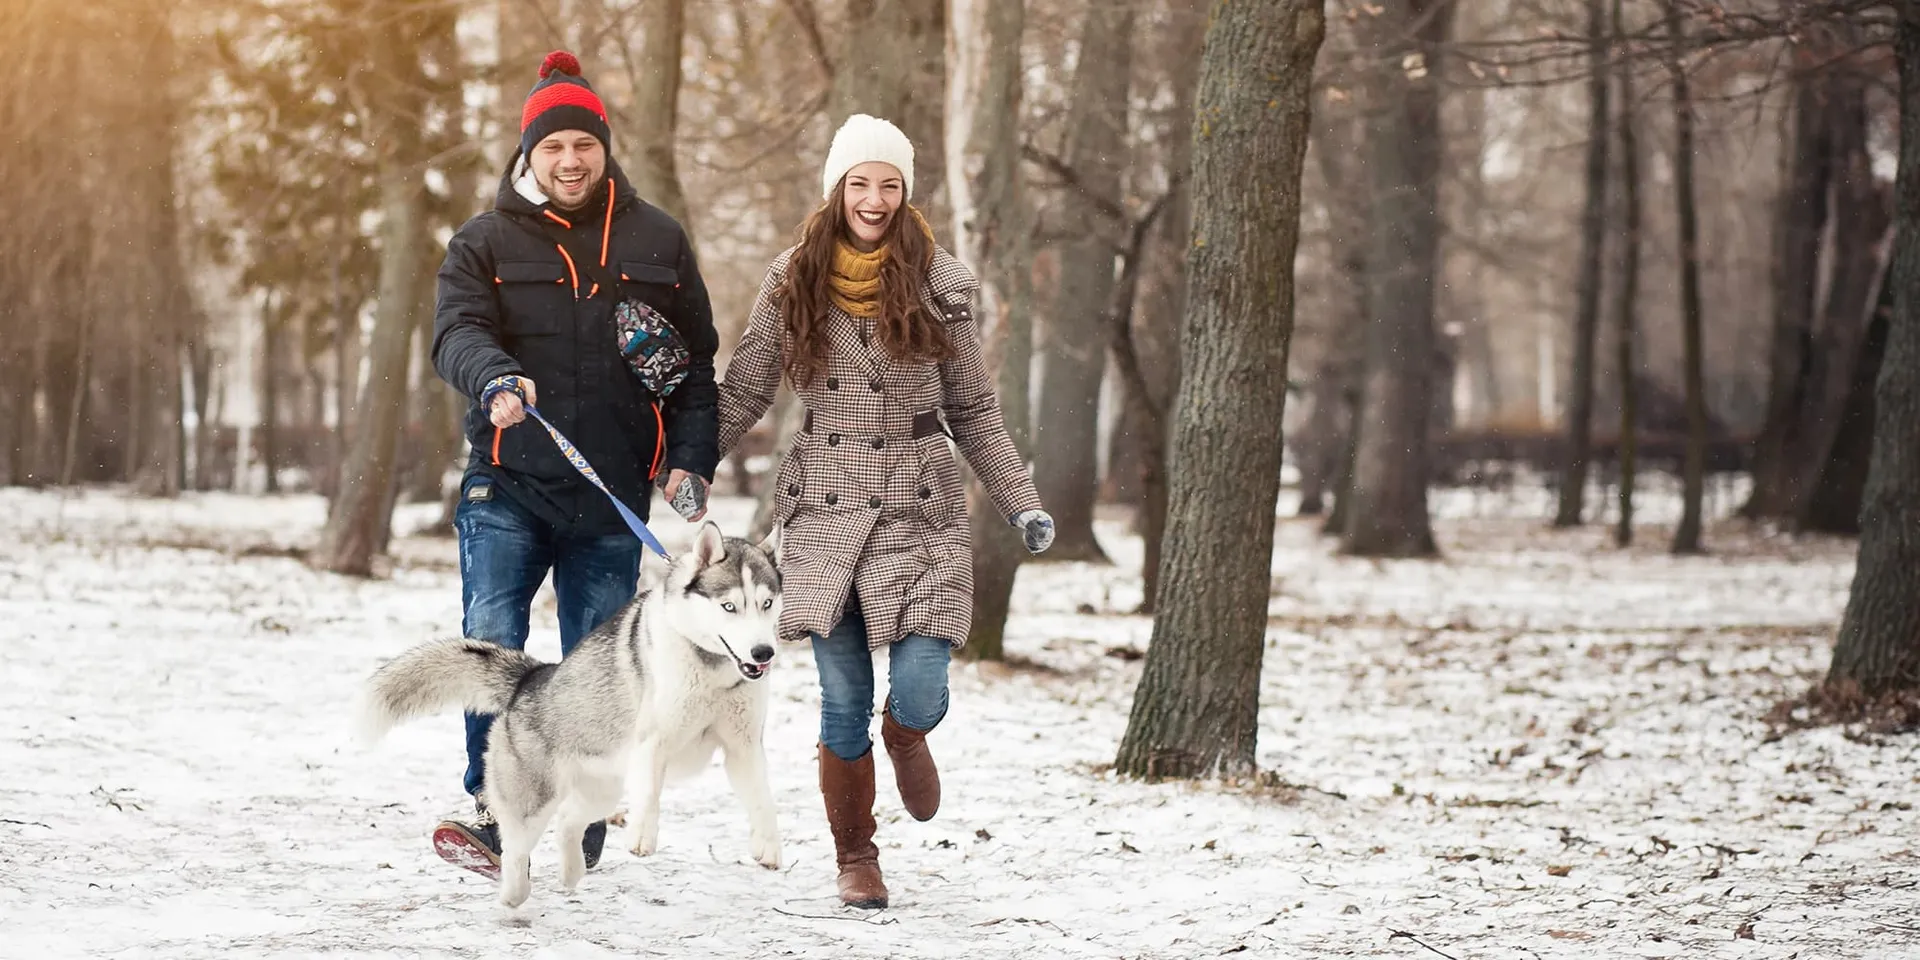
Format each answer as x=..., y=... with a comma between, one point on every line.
x=869, y=497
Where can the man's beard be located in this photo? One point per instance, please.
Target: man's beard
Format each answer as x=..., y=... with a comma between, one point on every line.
x=594, y=186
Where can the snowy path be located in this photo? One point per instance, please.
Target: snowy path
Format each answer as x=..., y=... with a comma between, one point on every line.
x=1538, y=747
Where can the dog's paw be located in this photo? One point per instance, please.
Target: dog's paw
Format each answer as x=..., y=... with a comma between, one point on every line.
x=766, y=850
x=571, y=872
x=646, y=839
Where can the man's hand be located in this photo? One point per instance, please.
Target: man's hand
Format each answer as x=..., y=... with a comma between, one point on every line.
x=506, y=408
x=695, y=497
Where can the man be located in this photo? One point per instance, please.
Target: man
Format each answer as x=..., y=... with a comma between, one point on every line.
x=526, y=317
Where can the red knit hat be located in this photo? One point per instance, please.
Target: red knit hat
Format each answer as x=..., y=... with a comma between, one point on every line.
x=562, y=100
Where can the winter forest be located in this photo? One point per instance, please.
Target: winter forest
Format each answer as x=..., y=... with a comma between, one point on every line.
x=1482, y=439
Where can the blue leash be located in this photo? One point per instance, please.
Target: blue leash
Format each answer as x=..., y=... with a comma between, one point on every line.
x=572, y=453
x=511, y=383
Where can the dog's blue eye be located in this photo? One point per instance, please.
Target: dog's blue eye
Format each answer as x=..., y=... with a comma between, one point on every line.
x=766, y=604
x=728, y=607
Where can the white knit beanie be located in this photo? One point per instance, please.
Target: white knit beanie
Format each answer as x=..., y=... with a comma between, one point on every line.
x=863, y=138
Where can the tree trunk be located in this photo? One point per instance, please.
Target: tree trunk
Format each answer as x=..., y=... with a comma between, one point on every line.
x=1878, y=651
x=1151, y=416
x=1195, y=713
x=1173, y=49
x=656, y=107
x=361, y=517
x=1332, y=435
x=273, y=318
x=1686, y=536
x=77, y=408
x=1800, y=220
x=998, y=240
x=1861, y=234
x=200, y=375
x=1066, y=428
x=346, y=385
x=1627, y=299
x=1834, y=502
x=1586, y=320
x=1389, y=515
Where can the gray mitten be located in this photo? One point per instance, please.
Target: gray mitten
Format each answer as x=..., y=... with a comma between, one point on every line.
x=1037, y=527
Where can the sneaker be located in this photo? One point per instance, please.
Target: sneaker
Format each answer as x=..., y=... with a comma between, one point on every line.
x=476, y=845
x=472, y=845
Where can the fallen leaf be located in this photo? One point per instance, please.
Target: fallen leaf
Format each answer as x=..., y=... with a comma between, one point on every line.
x=1569, y=935
x=1744, y=932
x=1559, y=871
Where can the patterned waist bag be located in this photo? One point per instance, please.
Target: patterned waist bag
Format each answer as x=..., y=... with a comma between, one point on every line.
x=653, y=349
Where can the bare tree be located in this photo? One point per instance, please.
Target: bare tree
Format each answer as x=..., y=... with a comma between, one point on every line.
x=1878, y=652
x=359, y=517
x=655, y=72
x=1627, y=298
x=1818, y=489
x=1404, y=148
x=1686, y=536
x=1194, y=713
x=1586, y=322
x=1075, y=356
x=1801, y=218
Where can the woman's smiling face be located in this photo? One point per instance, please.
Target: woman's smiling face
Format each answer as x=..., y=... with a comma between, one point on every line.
x=872, y=192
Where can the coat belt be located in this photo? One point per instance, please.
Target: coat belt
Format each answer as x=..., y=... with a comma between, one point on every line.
x=926, y=423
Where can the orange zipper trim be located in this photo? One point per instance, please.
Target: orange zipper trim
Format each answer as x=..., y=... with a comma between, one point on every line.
x=496, y=446
x=659, y=442
x=606, y=231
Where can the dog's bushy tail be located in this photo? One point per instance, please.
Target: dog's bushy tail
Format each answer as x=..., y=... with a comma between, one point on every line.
x=476, y=675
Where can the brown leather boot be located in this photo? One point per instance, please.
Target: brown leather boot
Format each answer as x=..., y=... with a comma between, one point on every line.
x=847, y=788
x=913, y=769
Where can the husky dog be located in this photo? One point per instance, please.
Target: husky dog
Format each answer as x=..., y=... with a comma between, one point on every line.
x=659, y=686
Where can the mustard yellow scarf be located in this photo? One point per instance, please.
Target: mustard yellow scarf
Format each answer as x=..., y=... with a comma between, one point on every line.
x=854, y=281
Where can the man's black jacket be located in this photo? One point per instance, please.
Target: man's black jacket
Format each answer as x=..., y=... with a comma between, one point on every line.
x=512, y=300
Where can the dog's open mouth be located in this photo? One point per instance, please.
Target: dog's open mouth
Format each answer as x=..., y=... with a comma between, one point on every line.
x=754, y=671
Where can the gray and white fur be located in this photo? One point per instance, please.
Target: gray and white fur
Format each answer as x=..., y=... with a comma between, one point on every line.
x=669, y=679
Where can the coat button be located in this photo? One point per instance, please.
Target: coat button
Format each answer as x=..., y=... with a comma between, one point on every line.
x=833, y=439
x=832, y=498
x=874, y=386
x=874, y=502
x=794, y=490
x=833, y=383
x=878, y=443
x=925, y=493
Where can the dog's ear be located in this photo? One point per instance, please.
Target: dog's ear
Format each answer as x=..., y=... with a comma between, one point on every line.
x=709, y=547
x=771, y=544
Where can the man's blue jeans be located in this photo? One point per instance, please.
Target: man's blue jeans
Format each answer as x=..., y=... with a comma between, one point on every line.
x=916, y=684
x=505, y=554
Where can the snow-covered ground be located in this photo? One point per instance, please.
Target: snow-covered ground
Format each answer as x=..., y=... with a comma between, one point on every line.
x=1537, y=747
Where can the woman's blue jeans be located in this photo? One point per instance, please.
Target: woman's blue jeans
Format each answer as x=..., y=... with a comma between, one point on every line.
x=916, y=685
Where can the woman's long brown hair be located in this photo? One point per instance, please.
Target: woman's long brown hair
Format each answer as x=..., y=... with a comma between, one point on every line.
x=907, y=332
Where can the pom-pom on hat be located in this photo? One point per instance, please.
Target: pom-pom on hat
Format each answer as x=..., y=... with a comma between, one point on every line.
x=562, y=100
x=863, y=138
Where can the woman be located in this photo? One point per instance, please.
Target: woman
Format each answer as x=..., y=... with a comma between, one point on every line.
x=871, y=324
